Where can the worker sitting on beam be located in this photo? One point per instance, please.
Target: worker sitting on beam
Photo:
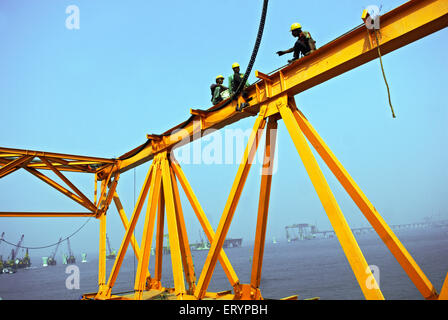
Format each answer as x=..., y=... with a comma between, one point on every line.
x=236, y=78
x=219, y=91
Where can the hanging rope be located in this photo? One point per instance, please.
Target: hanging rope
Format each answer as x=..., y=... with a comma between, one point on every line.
x=384, y=74
x=50, y=245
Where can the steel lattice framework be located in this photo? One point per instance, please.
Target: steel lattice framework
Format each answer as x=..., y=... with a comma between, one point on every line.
x=270, y=99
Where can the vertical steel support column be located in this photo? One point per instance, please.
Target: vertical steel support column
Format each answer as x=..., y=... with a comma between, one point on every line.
x=102, y=245
x=379, y=225
x=148, y=229
x=176, y=260
x=200, y=214
x=444, y=291
x=105, y=291
x=187, y=259
x=95, y=189
x=263, y=205
x=230, y=207
x=103, y=192
x=159, y=240
x=125, y=222
x=348, y=242
x=102, y=251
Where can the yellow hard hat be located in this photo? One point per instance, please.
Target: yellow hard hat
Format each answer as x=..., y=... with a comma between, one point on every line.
x=235, y=65
x=295, y=26
x=220, y=77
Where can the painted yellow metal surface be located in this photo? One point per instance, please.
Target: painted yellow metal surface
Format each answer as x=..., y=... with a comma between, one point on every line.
x=384, y=231
x=230, y=207
x=271, y=99
x=409, y=22
x=205, y=224
x=263, y=205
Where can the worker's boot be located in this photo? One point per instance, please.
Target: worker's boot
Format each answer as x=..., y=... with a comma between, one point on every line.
x=241, y=106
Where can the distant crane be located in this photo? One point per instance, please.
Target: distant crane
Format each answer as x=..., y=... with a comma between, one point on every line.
x=71, y=258
x=304, y=231
x=1, y=240
x=52, y=260
x=112, y=253
x=15, y=251
x=1, y=257
x=26, y=261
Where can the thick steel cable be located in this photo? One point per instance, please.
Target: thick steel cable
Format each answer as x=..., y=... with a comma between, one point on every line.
x=50, y=245
x=240, y=87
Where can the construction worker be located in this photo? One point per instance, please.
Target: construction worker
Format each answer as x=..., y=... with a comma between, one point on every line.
x=218, y=90
x=236, y=78
x=304, y=44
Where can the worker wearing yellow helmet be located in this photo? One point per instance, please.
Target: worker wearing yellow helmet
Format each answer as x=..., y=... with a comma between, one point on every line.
x=304, y=44
x=236, y=78
x=218, y=90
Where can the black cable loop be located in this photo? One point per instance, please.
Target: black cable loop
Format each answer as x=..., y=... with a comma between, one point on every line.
x=240, y=87
x=51, y=245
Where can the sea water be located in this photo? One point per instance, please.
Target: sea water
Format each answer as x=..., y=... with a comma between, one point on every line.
x=308, y=268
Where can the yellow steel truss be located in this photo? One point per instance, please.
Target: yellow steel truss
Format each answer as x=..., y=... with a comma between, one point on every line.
x=271, y=99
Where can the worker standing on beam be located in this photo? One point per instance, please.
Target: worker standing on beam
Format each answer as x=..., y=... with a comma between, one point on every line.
x=304, y=44
x=236, y=78
x=218, y=90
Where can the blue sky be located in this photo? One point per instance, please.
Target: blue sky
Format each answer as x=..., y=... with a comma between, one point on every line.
x=137, y=67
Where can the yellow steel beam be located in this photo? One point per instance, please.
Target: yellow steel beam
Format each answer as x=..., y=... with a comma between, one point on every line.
x=399, y=27
x=125, y=222
x=384, y=231
x=159, y=241
x=200, y=214
x=110, y=194
x=68, y=165
x=58, y=187
x=409, y=22
x=103, y=193
x=15, y=165
x=148, y=229
x=187, y=259
x=102, y=251
x=263, y=205
x=74, y=166
x=55, y=155
x=64, y=162
x=176, y=259
x=444, y=291
x=47, y=214
x=104, y=292
x=231, y=204
x=347, y=240
x=69, y=183
x=95, y=188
